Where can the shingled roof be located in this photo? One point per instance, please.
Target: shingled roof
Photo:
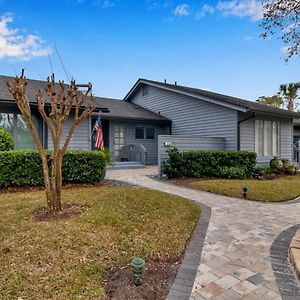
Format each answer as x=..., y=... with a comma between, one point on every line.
x=199, y=93
x=120, y=109
x=117, y=108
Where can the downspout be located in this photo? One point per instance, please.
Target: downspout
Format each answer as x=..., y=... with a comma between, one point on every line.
x=239, y=128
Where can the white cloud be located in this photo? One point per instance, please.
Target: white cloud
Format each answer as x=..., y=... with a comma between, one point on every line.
x=13, y=44
x=182, y=10
x=155, y=5
x=206, y=9
x=242, y=8
x=107, y=3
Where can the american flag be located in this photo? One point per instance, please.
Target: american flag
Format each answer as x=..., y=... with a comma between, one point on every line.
x=99, y=143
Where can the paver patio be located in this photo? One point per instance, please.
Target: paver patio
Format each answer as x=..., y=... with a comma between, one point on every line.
x=235, y=262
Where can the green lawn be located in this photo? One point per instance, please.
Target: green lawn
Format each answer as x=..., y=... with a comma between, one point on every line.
x=67, y=259
x=281, y=189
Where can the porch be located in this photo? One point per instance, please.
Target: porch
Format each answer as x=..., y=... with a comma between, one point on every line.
x=131, y=144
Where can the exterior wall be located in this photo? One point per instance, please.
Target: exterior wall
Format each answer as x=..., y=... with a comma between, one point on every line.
x=247, y=136
x=81, y=139
x=150, y=145
x=185, y=143
x=191, y=116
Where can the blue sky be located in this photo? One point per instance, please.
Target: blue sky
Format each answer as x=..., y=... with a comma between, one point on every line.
x=213, y=45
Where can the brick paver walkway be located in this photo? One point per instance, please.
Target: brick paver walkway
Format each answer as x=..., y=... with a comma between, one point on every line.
x=235, y=261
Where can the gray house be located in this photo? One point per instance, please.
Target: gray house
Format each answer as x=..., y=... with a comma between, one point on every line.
x=152, y=109
x=130, y=131
x=244, y=125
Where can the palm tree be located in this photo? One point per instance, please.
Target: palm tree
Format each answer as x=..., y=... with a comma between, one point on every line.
x=289, y=91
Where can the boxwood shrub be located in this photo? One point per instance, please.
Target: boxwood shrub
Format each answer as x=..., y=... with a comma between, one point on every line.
x=6, y=140
x=24, y=168
x=196, y=164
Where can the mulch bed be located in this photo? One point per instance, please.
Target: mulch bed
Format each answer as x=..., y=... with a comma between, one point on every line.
x=186, y=181
x=68, y=211
x=158, y=279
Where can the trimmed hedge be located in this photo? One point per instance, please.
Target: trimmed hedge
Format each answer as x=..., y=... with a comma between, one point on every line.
x=24, y=168
x=196, y=164
x=6, y=140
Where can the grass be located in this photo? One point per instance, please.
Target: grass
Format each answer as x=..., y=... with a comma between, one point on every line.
x=281, y=189
x=67, y=259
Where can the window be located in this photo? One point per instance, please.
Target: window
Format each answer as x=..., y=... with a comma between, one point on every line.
x=145, y=132
x=7, y=122
x=17, y=127
x=139, y=133
x=145, y=90
x=267, y=138
x=150, y=132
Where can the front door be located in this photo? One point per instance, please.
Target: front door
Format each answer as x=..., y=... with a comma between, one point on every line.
x=119, y=139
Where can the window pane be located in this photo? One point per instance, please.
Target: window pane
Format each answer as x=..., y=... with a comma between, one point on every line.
x=150, y=132
x=267, y=138
x=7, y=122
x=24, y=137
x=139, y=132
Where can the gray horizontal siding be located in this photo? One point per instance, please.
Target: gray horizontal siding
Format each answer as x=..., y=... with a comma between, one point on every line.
x=186, y=143
x=247, y=135
x=150, y=145
x=191, y=116
x=286, y=139
x=81, y=137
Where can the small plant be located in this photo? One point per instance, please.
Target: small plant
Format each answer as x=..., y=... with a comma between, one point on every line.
x=277, y=163
x=6, y=140
x=291, y=169
x=285, y=163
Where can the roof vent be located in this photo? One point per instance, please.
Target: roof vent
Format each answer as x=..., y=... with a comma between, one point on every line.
x=165, y=80
x=175, y=82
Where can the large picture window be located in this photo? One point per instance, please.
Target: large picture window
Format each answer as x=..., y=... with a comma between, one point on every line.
x=267, y=138
x=17, y=127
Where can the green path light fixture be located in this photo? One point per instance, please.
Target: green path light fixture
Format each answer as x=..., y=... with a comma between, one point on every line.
x=245, y=191
x=138, y=270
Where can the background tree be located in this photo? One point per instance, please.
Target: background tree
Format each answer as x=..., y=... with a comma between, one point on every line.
x=289, y=92
x=62, y=101
x=282, y=17
x=275, y=101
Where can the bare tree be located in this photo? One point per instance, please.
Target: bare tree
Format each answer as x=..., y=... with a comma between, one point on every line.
x=283, y=17
x=64, y=100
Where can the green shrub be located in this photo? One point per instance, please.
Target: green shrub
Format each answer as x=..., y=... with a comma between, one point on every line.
x=24, y=168
x=196, y=164
x=6, y=140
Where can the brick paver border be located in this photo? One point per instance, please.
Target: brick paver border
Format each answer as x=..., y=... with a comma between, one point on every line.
x=184, y=281
x=284, y=274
